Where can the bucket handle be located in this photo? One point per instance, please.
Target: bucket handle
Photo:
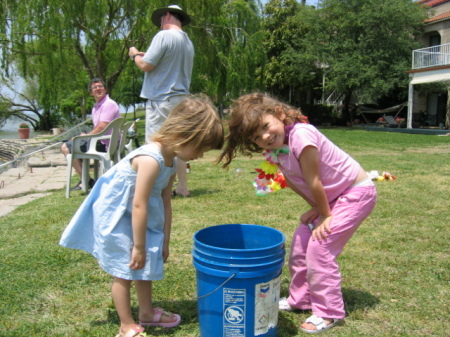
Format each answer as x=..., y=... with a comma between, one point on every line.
x=212, y=292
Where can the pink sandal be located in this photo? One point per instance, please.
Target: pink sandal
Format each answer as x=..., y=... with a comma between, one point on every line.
x=137, y=331
x=157, y=319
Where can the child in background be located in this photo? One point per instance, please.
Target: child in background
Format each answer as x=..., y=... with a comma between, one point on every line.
x=337, y=189
x=125, y=221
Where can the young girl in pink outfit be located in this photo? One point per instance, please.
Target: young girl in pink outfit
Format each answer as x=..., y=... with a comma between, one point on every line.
x=337, y=189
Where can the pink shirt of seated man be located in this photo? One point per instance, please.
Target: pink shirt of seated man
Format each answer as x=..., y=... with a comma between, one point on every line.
x=104, y=112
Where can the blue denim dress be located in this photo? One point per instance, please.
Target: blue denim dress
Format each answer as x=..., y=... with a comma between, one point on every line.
x=102, y=224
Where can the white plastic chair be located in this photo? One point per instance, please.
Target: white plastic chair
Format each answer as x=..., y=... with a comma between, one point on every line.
x=101, y=159
x=124, y=147
x=133, y=137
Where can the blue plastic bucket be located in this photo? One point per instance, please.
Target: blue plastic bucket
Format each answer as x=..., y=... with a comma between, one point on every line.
x=238, y=270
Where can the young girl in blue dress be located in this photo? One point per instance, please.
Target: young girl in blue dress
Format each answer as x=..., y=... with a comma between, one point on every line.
x=338, y=191
x=125, y=221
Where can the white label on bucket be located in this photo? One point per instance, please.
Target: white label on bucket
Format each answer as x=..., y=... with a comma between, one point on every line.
x=234, y=312
x=267, y=295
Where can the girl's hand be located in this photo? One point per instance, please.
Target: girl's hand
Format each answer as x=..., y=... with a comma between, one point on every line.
x=137, y=258
x=322, y=228
x=165, y=252
x=309, y=216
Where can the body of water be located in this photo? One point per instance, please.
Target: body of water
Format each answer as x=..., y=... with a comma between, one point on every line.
x=9, y=130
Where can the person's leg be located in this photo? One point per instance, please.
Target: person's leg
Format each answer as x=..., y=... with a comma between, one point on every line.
x=77, y=165
x=144, y=296
x=66, y=148
x=299, y=294
x=146, y=310
x=156, y=114
x=122, y=300
x=324, y=278
x=182, y=188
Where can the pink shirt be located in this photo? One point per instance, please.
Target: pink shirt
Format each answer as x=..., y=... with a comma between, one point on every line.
x=337, y=169
x=106, y=110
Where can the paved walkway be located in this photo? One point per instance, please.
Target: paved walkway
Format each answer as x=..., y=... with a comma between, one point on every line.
x=45, y=172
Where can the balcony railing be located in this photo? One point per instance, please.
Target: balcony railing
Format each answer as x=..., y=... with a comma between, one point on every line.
x=335, y=99
x=435, y=56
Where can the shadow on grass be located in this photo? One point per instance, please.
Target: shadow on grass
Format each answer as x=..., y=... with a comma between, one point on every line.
x=195, y=193
x=355, y=300
x=288, y=326
x=201, y=191
x=288, y=322
x=187, y=309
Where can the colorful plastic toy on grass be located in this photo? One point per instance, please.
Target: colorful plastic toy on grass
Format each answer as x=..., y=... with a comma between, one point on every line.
x=374, y=175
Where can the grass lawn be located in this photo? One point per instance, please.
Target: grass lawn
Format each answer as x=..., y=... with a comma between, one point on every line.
x=396, y=269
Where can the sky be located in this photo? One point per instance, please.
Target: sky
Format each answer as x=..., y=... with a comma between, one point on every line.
x=308, y=2
x=312, y=2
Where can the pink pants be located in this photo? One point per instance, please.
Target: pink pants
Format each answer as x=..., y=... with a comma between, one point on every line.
x=316, y=280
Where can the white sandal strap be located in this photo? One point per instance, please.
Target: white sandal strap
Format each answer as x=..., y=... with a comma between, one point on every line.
x=318, y=322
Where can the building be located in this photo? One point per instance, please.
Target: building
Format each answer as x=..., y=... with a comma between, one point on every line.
x=431, y=65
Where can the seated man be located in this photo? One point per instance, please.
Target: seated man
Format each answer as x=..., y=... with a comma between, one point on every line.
x=105, y=111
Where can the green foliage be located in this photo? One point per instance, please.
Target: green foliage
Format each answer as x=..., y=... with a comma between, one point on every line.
x=430, y=88
x=318, y=114
x=15, y=102
x=61, y=45
x=5, y=112
x=289, y=64
x=366, y=43
x=67, y=43
x=228, y=43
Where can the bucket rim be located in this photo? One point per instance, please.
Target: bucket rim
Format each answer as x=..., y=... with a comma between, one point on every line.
x=281, y=243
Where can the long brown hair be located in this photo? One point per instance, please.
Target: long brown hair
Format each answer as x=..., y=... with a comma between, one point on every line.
x=193, y=121
x=246, y=115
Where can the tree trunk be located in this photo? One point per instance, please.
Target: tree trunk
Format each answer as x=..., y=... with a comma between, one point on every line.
x=346, y=115
x=45, y=122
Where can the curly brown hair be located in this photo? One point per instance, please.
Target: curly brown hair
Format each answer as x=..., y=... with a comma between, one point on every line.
x=246, y=115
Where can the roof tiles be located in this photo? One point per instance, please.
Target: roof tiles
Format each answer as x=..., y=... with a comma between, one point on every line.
x=432, y=3
x=442, y=16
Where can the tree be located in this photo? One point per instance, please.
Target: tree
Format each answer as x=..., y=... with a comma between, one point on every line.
x=289, y=64
x=15, y=102
x=62, y=44
x=228, y=47
x=366, y=43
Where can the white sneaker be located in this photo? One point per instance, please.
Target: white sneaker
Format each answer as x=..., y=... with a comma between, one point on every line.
x=284, y=305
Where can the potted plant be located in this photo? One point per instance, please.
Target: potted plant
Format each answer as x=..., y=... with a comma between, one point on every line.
x=24, y=131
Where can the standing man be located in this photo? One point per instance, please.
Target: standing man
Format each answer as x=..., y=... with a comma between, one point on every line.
x=168, y=66
x=105, y=111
